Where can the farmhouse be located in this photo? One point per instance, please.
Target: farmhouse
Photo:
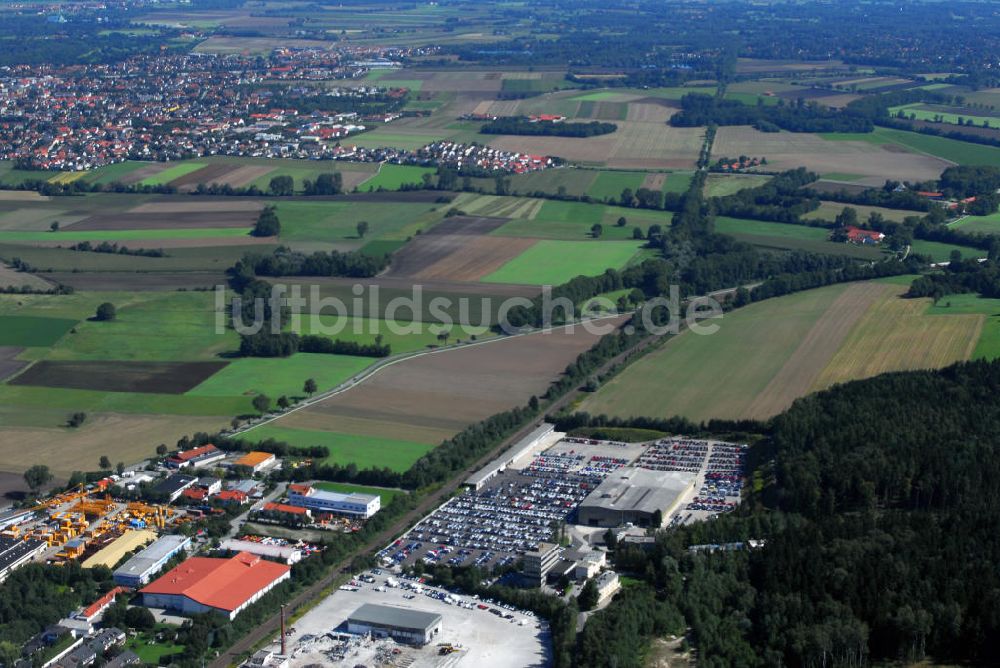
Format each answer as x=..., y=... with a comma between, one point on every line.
x=634, y=495
x=414, y=627
x=224, y=586
x=856, y=235
x=196, y=457
x=356, y=505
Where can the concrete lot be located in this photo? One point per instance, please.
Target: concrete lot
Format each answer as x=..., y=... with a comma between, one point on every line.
x=487, y=640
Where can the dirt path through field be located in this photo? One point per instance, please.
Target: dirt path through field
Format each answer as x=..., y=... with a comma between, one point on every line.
x=816, y=350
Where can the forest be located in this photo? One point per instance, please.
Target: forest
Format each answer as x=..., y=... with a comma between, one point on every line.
x=881, y=539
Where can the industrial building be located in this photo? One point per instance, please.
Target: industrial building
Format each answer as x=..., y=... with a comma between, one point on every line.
x=112, y=553
x=173, y=486
x=138, y=570
x=538, y=562
x=196, y=457
x=15, y=553
x=338, y=503
x=634, y=495
x=285, y=553
x=224, y=586
x=256, y=461
x=478, y=480
x=412, y=627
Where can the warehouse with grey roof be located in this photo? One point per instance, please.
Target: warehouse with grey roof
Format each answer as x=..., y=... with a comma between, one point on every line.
x=404, y=625
x=634, y=495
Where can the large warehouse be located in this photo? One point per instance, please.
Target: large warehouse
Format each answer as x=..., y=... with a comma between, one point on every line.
x=138, y=570
x=413, y=627
x=322, y=501
x=225, y=586
x=634, y=495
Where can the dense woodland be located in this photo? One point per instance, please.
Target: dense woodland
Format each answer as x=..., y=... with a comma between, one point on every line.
x=521, y=125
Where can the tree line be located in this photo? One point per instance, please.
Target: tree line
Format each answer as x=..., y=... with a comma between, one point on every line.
x=522, y=125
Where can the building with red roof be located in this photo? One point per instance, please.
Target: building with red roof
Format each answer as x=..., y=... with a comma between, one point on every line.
x=91, y=612
x=856, y=235
x=224, y=586
x=196, y=457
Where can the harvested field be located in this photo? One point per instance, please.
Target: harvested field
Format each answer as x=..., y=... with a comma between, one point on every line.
x=816, y=349
x=111, y=376
x=635, y=145
x=144, y=173
x=829, y=186
x=127, y=438
x=650, y=112
x=212, y=173
x=441, y=393
x=190, y=220
x=866, y=157
x=114, y=281
x=457, y=249
x=244, y=176
x=200, y=205
x=9, y=365
x=22, y=196
x=897, y=335
x=720, y=374
x=504, y=207
x=11, y=278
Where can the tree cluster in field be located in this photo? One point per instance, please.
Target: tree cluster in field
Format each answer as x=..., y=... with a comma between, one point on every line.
x=522, y=125
x=781, y=199
x=79, y=186
x=960, y=277
x=267, y=344
x=699, y=110
x=285, y=262
x=887, y=197
x=267, y=224
x=114, y=249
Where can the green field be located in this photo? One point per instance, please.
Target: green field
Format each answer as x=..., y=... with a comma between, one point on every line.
x=960, y=152
x=151, y=326
x=20, y=404
x=721, y=185
x=717, y=375
x=392, y=177
x=940, y=252
x=115, y=172
x=364, y=330
x=122, y=235
x=611, y=184
x=28, y=331
x=572, y=221
x=336, y=221
x=386, y=493
x=830, y=210
x=277, y=376
x=984, y=224
x=988, y=346
x=791, y=237
x=555, y=262
x=411, y=142
x=171, y=173
x=678, y=182
x=363, y=451
x=924, y=112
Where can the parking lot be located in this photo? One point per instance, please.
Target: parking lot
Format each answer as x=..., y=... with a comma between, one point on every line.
x=718, y=465
x=484, y=634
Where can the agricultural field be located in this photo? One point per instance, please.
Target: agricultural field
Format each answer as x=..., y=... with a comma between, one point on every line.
x=984, y=224
x=830, y=210
x=609, y=185
x=470, y=383
x=790, y=237
x=766, y=355
x=721, y=185
x=942, y=114
x=941, y=252
x=872, y=157
x=393, y=177
x=362, y=450
x=277, y=376
x=555, y=262
x=570, y=221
